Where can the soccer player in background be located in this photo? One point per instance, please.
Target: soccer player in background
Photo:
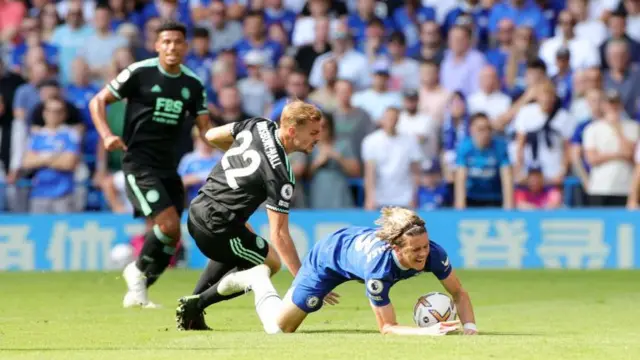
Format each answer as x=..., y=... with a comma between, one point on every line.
x=254, y=168
x=380, y=257
x=159, y=93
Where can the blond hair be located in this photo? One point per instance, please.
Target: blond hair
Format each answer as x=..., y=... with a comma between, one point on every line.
x=298, y=113
x=395, y=222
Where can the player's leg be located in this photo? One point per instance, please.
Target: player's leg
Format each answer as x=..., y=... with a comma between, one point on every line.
x=152, y=200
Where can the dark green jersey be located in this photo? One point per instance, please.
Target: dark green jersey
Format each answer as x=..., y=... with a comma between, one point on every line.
x=157, y=104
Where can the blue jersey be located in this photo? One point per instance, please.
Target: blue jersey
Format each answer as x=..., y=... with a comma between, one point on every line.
x=355, y=253
x=433, y=198
x=483, y=168
x=20, y=51
x=201, y=65
x=197, y=164
x=80, y=98
x=48, y=182
x=564, y=88
x=284, y=17
x=271, y=50
x=402, y=22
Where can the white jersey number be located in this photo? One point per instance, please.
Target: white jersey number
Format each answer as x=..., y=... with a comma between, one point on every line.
x=251, y=156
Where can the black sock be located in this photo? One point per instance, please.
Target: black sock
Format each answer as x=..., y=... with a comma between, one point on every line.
x=211, y=295
x=155, y=255
x=212, y=274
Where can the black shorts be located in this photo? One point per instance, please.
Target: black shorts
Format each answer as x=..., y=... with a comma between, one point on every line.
x=150, y=193
x=223, y=240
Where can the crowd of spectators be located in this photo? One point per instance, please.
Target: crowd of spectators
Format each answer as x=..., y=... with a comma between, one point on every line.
x=428, y=104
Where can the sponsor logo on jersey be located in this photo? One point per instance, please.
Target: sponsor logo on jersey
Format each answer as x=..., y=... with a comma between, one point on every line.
x=269, y=144
x=375, y=287
x=376, y=298
x=260, y=242
x=156, y=89
x=446, y=262
x=186, y=94
x=287, y=191
x=312, y=301
x=167, y=111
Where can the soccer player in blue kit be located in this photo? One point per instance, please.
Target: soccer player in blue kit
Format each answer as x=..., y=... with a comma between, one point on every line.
x=380, y=257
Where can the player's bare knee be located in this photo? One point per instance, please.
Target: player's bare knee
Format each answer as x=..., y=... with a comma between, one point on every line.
x=273, y=261
x=171, y=228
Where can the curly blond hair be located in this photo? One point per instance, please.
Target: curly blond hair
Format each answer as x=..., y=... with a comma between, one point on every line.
x=395, y=222
x=298, y=113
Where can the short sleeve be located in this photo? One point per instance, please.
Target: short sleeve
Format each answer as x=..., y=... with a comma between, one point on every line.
x=279, y=194
x=589, y=136
x=368, y=148
x=438, y=262
x=378, y=291
x=123, y=85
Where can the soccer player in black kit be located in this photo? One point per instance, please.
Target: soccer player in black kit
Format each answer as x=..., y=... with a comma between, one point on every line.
x=254, y=168
x=159, y=92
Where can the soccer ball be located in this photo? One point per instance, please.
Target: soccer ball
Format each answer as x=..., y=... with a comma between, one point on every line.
x=121, y=255
x=433, y=308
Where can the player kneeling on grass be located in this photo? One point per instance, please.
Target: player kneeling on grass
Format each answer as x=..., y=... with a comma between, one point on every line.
x=399, y=249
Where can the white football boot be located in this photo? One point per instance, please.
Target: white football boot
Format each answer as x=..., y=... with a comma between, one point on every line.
x=136, y=295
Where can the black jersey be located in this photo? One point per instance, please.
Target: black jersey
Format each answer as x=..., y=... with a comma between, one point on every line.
x=157, y=103
x=255, y=168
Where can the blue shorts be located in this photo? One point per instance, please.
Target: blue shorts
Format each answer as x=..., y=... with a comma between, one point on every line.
x=310, y=287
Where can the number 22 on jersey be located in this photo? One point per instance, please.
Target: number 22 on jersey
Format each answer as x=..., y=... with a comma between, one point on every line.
x=244, y=139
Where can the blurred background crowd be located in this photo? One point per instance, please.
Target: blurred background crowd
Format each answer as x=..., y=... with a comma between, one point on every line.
x=528, y=104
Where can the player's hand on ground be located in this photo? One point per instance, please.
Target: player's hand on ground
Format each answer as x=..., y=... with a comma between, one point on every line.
x=446, y=327
x=113, y=142
x=332, y=298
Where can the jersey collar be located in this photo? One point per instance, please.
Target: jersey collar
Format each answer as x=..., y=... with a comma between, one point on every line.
x=276, y=134
x=397, y=261
x=165, y=73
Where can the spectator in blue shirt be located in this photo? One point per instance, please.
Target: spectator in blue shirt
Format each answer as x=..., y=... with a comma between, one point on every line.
x=27, y=96
x=454, y=130
x=480, y=15
x=52, y=155
x=256, y=39
x=521, y=12
x=195, y=166
x=200, y=58
x=499, y=54
x=483, y=174
x=408, y=18
x=31, y=30
x=373, y=43
x=433, y=192
x=563, y=79
x=175, y=9
x=357, y=22
x=276, y=13
x=297, y=88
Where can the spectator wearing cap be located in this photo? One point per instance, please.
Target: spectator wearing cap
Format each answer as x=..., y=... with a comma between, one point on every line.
x=101, y=45
x=461, y=64
x=617, y=30
x=352, y=65
x=483, y=176
x=70, y=39
x=595, y=101
x=52, y=155
x=430, y=47
x=378, y=98
x=621, y=76
x=590, y=29
x=391, y=165
x=535, y=195
x=479, y=11
x=434, y=98
x=419, y=125
x=223, y=33
x=351, y=123
x=489, y=99
x=256, y=96
x=256, y=39
x=332, y=163
x=543, y=130
x=609, y=145
x=521, y=12
x=433, y=192
x=200, y=58
x=583, y=53
x=563, y=79
x=407, y=20
x=195, y=166
x=403, y=68
x=326, y=95
x=498, y=55
x=307, y=54
x=365, y=12
x=276, y=13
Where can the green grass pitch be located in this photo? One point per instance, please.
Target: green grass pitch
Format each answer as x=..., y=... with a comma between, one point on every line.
x=522, y=315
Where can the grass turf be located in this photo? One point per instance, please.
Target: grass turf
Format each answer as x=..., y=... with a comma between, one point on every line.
x=521, y=315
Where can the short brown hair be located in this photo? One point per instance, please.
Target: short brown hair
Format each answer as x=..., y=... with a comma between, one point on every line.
x=395, y=222
x=298, y=113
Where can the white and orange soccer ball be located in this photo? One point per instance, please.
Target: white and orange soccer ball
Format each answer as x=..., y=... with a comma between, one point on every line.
x=433, y=308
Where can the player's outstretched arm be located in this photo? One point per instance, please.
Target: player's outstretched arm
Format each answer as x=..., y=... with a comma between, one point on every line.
x=463, y=302
x=282, y=241
x=221, y=136
x=387, y=324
